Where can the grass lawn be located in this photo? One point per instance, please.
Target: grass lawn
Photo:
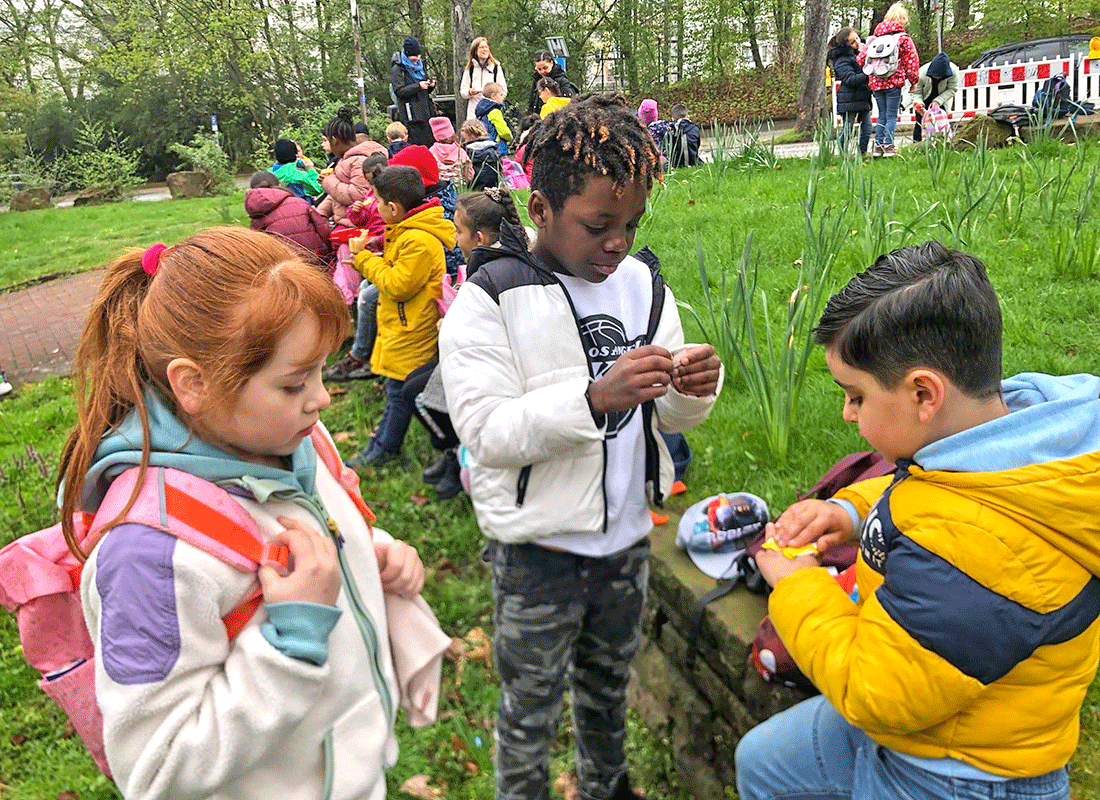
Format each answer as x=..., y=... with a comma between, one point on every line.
x=1028, y=214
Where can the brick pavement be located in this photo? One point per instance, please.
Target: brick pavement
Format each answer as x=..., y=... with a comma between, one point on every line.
x=40, y=326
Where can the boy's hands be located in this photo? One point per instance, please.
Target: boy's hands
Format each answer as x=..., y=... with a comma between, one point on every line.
x=400, y=567
x=696, y=371
x=811, y=521
x=774, y=566
x=314, y=575
x=637, y=376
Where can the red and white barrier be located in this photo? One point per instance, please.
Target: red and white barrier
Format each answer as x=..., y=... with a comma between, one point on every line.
x=984, y=88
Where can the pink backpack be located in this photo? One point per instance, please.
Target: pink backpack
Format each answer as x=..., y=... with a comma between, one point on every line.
x=514, y=176
x=40, y=578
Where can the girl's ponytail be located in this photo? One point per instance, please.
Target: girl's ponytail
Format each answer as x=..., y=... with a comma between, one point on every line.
x=487, y=208
x=107, y=381
x=511, y=213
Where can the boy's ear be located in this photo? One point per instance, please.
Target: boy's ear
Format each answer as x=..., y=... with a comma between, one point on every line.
x=928, y=391
x=188, y=384
x=538, y=208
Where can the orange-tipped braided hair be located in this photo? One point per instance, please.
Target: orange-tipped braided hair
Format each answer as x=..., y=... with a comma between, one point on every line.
x=223, y=298
x=596, y=134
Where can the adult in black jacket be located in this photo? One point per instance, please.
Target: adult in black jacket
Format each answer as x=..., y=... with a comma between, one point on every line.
x=412, y=87
x=547, y=67
x=853, y=96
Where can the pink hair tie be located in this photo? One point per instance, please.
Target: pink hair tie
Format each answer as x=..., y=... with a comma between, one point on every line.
x=150, y=259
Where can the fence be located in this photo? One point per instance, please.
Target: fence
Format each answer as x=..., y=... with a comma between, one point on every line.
x=984, y=88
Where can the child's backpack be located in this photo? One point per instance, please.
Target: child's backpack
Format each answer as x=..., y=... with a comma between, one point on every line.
x=936, y=122
x=1053, y=98
x=882, y=55
x=40, y=578
x=514, y=176
x=486, y=166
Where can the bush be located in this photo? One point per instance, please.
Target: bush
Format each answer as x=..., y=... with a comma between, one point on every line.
x=103, y=161
x=745, y=97
x=205, y=154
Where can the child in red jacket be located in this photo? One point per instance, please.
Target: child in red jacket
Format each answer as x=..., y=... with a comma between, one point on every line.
x=272, y=208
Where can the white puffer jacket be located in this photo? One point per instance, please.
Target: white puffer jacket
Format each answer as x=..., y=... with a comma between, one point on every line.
x=516, y=374
x=475, y=76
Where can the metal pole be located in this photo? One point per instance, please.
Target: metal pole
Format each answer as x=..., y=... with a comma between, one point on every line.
x=358, y=62
x=938, y=9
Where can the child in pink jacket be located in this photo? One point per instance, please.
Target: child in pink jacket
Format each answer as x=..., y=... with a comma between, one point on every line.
x=887, y=89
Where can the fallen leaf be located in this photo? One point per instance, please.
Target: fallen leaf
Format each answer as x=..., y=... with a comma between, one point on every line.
x=472, y=768
x=419, y=786
x=336, y=391
x=68, y=794
x=566, y=784
x=70, y=729
x=418, y=500
x=457, y=744
x=342, y=436
x=457, y=648
x=691, y=202
x=17, y=739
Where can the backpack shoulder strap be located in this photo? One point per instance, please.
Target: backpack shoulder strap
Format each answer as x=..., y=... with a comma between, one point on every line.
x=328, y=455
x=201, y=514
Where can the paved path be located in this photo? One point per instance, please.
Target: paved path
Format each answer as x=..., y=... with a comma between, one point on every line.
x=40, y=326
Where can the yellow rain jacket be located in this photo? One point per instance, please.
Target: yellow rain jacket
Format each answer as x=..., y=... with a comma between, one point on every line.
x=408, y=275
x=975, y=635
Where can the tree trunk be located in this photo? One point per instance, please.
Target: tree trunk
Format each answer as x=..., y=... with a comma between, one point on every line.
x=811, y=91
x=416, y=19
x=961, y=15
x=462, y=33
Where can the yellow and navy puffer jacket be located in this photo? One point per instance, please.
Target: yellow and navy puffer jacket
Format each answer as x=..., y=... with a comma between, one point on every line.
x=976, y=633
x=408, y=275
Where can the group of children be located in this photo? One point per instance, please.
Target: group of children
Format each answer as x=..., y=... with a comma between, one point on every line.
x=960, y=669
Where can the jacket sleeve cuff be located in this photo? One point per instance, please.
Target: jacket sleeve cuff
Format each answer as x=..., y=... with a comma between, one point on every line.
x=599, y=419
x=857, y=521
x=300, y=630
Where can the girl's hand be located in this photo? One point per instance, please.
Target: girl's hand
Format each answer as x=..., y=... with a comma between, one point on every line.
x=696, y=371
x=400, y=567
x=314, y=575
x=425, y=84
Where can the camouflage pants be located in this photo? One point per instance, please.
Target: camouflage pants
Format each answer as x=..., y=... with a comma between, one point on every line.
x=559, y=615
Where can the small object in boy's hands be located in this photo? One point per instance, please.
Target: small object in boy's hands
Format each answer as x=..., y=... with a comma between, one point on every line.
x=791, y=552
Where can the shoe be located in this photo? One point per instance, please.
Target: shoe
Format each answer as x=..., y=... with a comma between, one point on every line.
x=342, y=369
x=433, y=474
x=371, y=457
x=5, y=386
x=624, y=791
x=877, y=150
x=889, y=151
x=361, y=372
x=450, y=482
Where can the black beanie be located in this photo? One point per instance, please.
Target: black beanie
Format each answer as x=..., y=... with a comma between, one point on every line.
x=411, y=46
x=939, y=67
x=286, y=152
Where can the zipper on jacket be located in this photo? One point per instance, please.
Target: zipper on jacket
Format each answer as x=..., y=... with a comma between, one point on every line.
x=401, y=315
x=521, y=484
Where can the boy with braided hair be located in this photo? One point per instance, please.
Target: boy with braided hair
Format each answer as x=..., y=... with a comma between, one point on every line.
x=561, y=366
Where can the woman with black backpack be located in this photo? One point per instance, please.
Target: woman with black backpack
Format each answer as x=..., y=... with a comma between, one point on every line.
x=853, y=95
x=481, y=68
x=547, y=67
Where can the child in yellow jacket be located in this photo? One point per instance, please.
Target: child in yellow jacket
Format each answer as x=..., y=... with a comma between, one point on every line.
x=408, y=275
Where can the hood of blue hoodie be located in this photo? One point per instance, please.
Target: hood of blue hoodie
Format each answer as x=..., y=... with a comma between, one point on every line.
x=485, y=105
x=1051, y=418
x=173, y=445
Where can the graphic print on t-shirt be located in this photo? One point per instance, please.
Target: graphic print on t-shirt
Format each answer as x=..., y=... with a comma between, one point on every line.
x=604, y=341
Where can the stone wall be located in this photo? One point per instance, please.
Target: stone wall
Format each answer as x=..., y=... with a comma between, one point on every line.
x=704, y=713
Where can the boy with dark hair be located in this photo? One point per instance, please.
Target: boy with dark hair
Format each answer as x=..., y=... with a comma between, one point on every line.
x=294, y=171
x=561, y=365
x=682, y=146
x=961, y=668
x=408, y=276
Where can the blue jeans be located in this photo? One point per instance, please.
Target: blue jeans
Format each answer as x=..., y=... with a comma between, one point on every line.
x=366, y=321
x=396, y=417
x=887, y=101
x=810, y=753
x=848, y=126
